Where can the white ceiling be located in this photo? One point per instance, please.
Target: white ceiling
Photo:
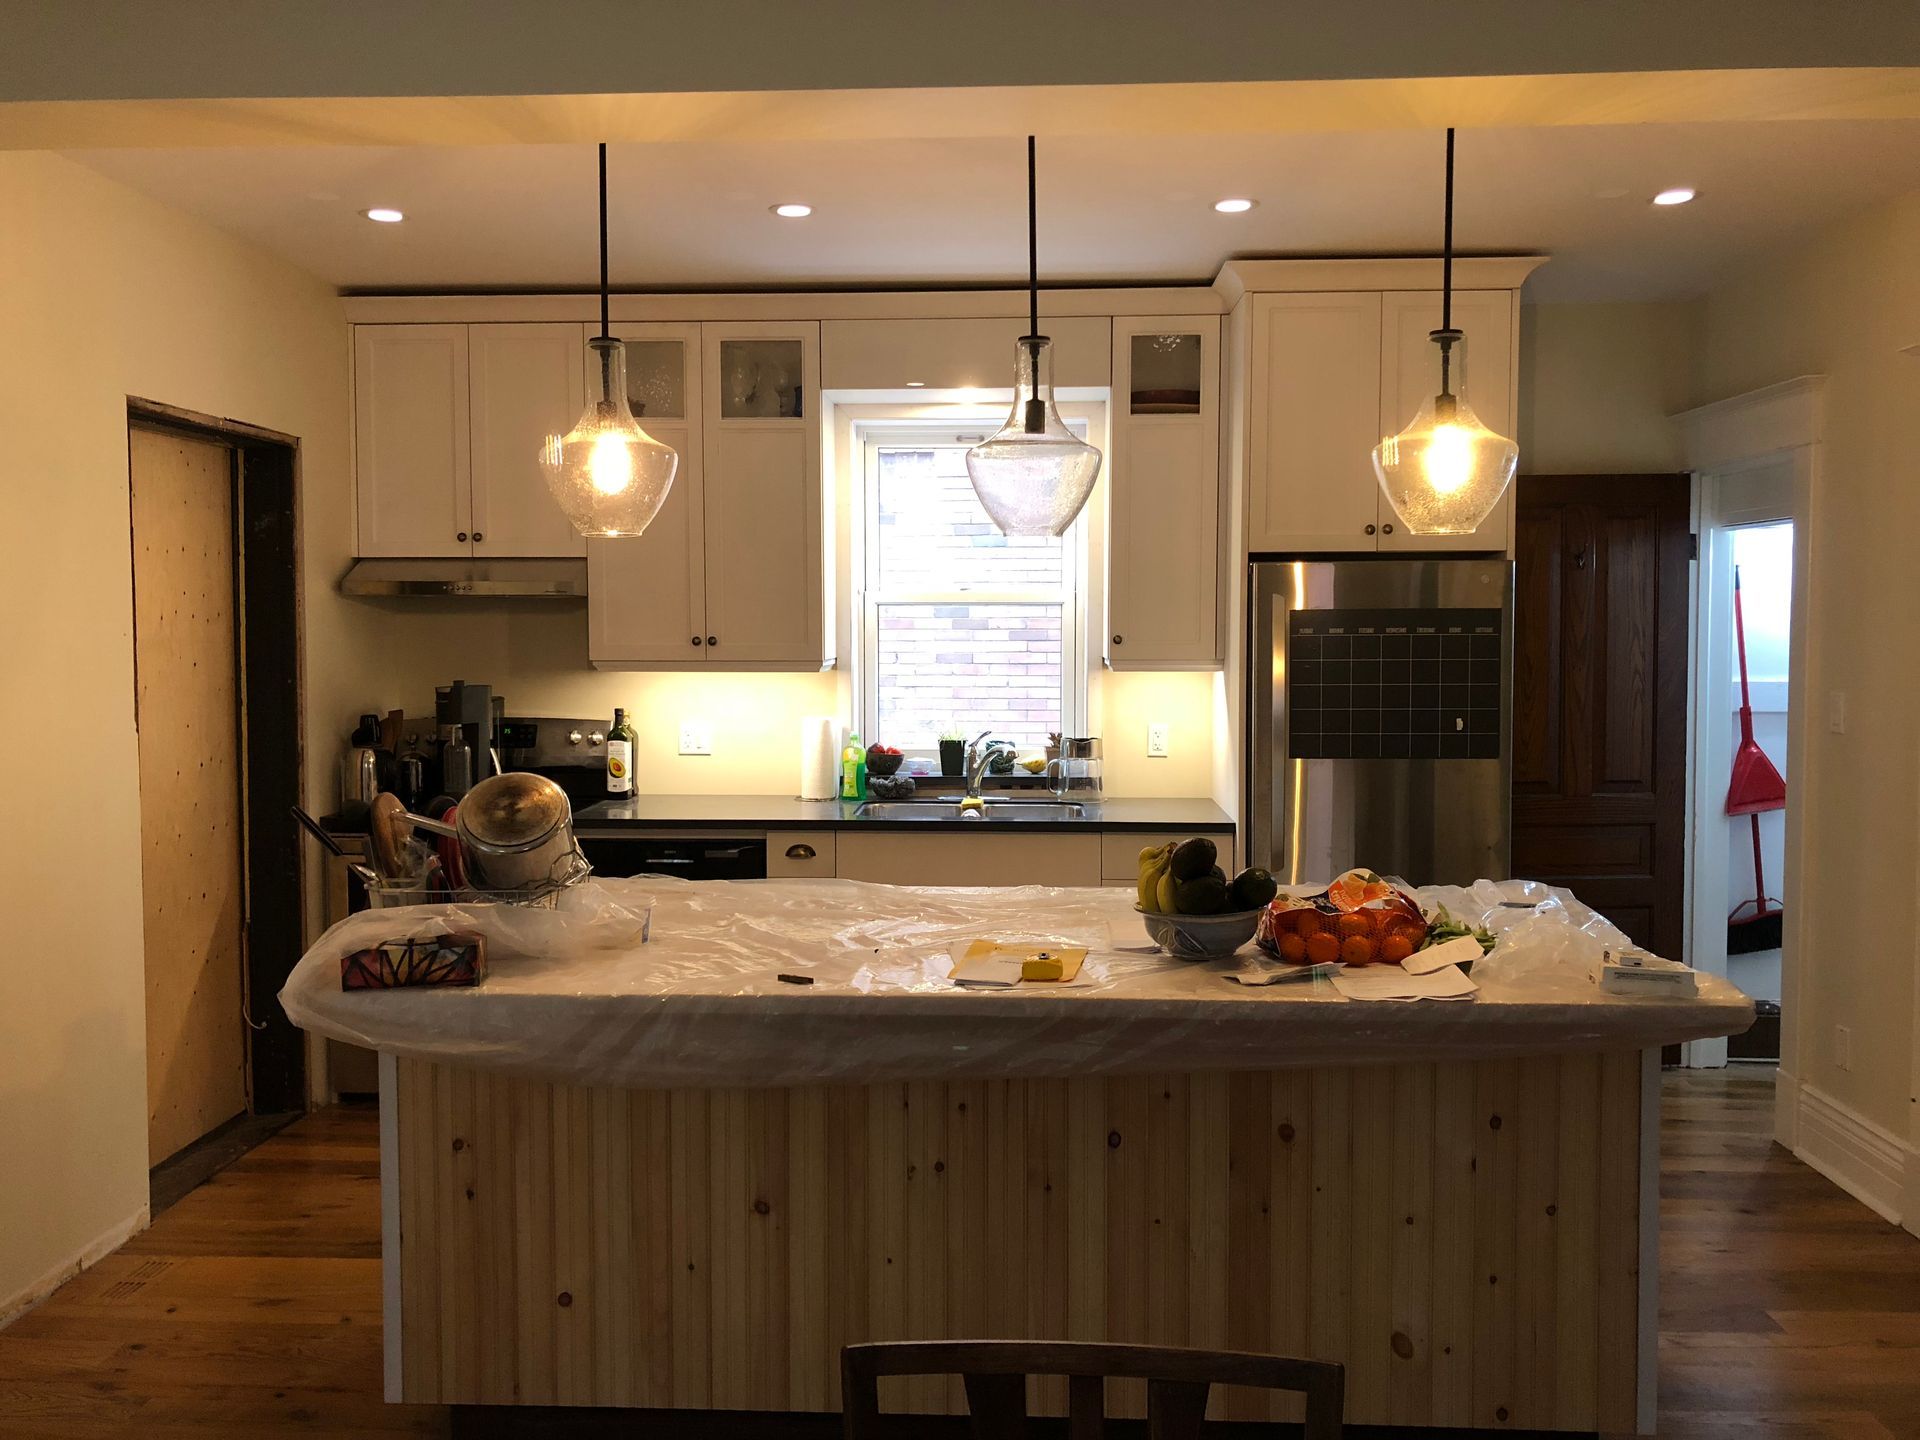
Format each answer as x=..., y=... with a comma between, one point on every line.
x=890, y=212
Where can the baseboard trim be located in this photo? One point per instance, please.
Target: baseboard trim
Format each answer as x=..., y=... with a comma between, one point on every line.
x=96, y=1250
x=1866, y=1160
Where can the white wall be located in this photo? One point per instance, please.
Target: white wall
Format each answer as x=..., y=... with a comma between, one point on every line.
x=1597, y=384
x=106, y=295
x=1844, y=306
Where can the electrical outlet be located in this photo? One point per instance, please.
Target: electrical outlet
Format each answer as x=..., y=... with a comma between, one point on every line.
x=1842, y=1048
x=695, y=738
x=1157, y=739
x=1837, y=711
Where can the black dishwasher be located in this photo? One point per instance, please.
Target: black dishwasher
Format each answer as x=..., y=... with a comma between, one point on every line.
x=613, y=854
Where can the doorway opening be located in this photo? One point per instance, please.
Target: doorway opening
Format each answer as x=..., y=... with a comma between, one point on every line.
x=1743, y=628
x=212, y=536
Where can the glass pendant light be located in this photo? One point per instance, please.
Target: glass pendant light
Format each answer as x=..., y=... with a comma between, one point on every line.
x=1446, y=471
x=608, y=475
x=1033, y=474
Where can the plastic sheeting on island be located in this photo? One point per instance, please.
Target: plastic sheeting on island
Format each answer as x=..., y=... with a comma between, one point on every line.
x=571, y=996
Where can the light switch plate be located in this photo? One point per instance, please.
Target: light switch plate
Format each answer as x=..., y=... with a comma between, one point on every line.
x=695, y=738
x=1837, y=711
x=1842, y=1048
x=1157, y=739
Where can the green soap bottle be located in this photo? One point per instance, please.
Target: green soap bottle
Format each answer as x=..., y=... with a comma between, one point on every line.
x=853, y=769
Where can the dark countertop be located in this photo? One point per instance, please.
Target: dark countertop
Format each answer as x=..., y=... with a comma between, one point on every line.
x=777, y=812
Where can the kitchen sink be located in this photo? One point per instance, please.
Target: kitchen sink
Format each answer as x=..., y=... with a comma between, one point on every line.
x=994, y=810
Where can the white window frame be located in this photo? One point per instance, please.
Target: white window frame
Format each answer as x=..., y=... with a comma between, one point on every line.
x=873, y=436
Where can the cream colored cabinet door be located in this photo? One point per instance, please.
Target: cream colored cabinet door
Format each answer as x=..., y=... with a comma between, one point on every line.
x=893, y=857
x=646, y=596
x=1163, y=552
x=1410, y=375
x=764, y=536
x=525, y=384
x=1313, y=420
x=410, y=439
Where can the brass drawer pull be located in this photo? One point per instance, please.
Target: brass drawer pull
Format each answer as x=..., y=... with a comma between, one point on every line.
x=800, y=852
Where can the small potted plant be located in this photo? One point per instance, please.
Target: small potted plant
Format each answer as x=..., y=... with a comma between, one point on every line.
x=953, y=752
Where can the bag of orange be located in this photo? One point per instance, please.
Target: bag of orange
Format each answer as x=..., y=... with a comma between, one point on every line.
x=1360, y=919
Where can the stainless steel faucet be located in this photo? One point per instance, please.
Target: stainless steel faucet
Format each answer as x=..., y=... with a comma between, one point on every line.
x=978, y=758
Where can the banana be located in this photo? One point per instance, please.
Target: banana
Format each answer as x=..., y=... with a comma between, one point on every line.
x=1153, y=864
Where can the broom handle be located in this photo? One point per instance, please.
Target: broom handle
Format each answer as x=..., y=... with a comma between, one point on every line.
x=1740, y=638
x=1759, y=873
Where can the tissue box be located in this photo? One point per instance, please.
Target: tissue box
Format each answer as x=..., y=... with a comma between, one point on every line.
x=457, y=957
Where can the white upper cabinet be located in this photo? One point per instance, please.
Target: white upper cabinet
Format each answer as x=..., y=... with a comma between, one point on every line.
x=411, y=439
x=730, y=573
x=957, y=353
x=764, y=531
x=527, y=384
x=1313, y=418
x=448, y=424
x=1163, y=552
x=1410, y=374
x=1329, y=374
x=646, y=596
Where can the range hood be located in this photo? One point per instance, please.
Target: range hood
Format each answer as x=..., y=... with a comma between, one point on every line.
x=522, y=579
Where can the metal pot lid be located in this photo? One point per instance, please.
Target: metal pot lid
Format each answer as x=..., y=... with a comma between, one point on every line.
x=513, y=811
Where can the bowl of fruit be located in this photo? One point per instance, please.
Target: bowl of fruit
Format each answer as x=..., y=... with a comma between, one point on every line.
x=1190, y=907
x=883, y=760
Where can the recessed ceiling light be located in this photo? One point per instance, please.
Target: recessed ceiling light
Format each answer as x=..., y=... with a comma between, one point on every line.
x=1234, y=206
x=793, y=211
x=385, y=214
x=1679, y=195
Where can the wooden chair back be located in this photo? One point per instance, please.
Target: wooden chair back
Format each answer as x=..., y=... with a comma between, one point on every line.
x=995, y=1375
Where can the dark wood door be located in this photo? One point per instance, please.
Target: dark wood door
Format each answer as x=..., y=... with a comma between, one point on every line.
x=1600, y=696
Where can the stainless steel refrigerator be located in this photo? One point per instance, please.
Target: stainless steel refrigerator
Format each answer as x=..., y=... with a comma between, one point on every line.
x=1381, y=719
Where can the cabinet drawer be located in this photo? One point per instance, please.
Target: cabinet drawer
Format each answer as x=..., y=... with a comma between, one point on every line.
x=800, y=855
x=989, y=858
x=1120, y=850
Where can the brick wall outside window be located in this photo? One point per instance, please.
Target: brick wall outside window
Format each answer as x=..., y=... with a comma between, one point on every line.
x=987, y=663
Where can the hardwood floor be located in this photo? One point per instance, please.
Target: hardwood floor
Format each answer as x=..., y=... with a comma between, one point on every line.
x=252, y=1307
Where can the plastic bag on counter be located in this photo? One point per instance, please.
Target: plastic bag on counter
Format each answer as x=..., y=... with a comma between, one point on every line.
x=591, y=916
x=1537, y=928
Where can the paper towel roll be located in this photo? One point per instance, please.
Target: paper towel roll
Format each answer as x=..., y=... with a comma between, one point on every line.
x=819, y=758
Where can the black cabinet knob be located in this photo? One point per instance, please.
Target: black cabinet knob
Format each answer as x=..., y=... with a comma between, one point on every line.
x=712, y=640
x=1119, y=639
x=478, y=537
x=1387, y=529
x=696, y=639
x=461, y=537
x=1370, y=529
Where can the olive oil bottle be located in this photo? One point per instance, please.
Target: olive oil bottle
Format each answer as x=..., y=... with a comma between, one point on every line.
x=620, y=740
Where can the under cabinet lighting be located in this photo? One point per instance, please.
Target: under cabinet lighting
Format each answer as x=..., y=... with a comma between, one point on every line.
x=793, y=211
x=1234, y=206
x=385, y=214
x=1679, y=195
x=916, y=384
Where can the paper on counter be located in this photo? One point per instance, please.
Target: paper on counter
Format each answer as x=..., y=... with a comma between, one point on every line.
x=1253, y=972
x=1461, y=950
x=986, y=965
x=1390, y=982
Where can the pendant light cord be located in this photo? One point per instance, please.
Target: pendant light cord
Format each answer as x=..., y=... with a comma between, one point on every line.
x=1446, y=247
x=603, y=239
x=1033, y=247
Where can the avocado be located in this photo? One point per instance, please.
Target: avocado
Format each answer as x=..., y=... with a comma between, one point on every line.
x=1218, y=874
x=1202, y=895
x=1192, y=858
x=1253, y=888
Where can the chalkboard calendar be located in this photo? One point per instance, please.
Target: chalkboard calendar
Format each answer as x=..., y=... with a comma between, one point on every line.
x=1393, y=684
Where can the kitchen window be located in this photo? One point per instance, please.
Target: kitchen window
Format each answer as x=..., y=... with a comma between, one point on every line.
x=964, y=629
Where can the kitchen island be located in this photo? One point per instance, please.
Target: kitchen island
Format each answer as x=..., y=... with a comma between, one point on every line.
x=664, y=1177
